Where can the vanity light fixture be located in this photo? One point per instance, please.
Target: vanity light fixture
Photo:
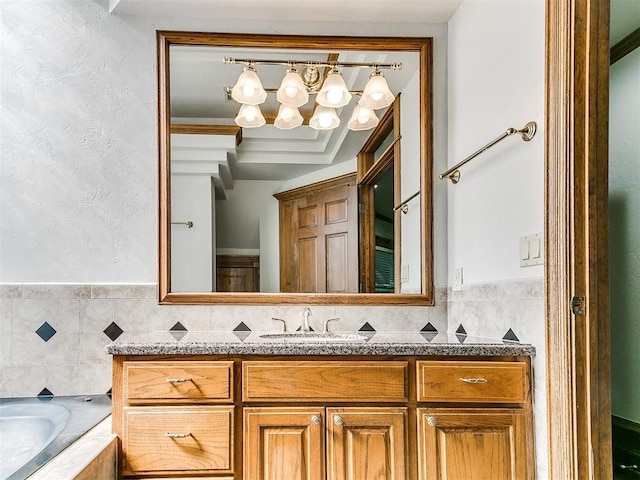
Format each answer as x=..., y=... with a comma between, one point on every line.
x=334, y=92
x=292, y=92
x=288, y=117
x=297, y=85
x=248, y=89
x=363, y=118
x=376, y=94
x=324, y=118
x=250, y=116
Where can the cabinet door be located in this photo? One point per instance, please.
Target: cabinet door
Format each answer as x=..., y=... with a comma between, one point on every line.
x=283, y=443
x=366, y=443
x=473, y=444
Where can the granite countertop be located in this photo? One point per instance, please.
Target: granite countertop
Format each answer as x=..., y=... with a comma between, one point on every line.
x=374, y=343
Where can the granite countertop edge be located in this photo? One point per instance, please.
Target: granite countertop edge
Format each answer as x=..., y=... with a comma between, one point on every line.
x=477, y=348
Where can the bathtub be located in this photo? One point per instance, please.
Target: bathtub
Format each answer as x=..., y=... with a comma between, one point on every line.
x=34, y=430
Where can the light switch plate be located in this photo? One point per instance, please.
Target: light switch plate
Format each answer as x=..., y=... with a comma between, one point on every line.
x=404, y=273
x=457, y=280
x=531, y=250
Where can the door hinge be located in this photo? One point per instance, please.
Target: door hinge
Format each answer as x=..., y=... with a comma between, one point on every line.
x=577, y=305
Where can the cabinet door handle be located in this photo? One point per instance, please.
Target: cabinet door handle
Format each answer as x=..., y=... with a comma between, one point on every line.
x=474, y=380
x=316, y=419
x=178, y=380
x=431, y=421
x=337, y=419
x=177, y=435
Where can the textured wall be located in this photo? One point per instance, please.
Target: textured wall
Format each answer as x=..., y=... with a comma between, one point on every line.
x=78, y=141
x=624, y=235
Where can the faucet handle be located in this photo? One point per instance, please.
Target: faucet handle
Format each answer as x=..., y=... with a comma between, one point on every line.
x=326, y=324
x=284, y=324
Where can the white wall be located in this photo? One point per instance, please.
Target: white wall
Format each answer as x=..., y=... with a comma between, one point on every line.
x=78, y=192
x=624, y=234
x=410, y=225
x=192, y=260
x=248, y=220
x=496, y=81
x=238, y=216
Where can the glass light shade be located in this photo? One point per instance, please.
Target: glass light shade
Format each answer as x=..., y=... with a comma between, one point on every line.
x=288, y=117
x=376, y=93
x=334, y=92
x=250, y=116
x=248, y=89
x=363, y=118
x=292, y=91
x=324, y=118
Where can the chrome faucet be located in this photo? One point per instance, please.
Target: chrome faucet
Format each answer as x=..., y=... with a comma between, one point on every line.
x=305, y=326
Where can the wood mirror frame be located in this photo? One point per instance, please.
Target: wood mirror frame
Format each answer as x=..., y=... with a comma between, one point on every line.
x=422, y=46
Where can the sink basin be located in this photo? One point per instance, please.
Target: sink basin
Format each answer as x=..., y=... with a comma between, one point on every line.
x=314, y=337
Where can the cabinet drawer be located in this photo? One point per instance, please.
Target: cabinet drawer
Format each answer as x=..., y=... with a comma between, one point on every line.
x=322, y=381
x=191, y=380
x=192, y=439
x=491, y=382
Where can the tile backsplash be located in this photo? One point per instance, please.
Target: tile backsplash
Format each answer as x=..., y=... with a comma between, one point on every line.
x=52, y=336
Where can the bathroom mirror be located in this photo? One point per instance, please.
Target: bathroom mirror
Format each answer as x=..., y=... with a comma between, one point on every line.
x=228, y=180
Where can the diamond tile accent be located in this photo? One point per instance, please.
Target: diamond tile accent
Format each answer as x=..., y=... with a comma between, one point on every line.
x=241, y=327
x=461, y=333
x=510, y=336
x=45, y=393
x=367, y=328
x=178, y=327
x=242, y=331
x=429, y=328
x=109, y=393
x=46, y=331
x=113, y=331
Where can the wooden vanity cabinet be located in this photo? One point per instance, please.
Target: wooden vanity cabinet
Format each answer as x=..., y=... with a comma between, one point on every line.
x=323, y=418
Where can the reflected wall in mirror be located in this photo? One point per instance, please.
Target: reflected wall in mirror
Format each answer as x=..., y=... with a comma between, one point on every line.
x=225, y=174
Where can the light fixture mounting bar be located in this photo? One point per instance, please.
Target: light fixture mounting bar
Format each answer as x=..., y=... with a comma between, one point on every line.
x=290, y=63
x=227, y=91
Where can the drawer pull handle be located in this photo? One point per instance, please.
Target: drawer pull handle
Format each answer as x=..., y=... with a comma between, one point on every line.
x=338, y=420
x=316, y=420
x=177, y=435
x=474, y=380
x=178, y=380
